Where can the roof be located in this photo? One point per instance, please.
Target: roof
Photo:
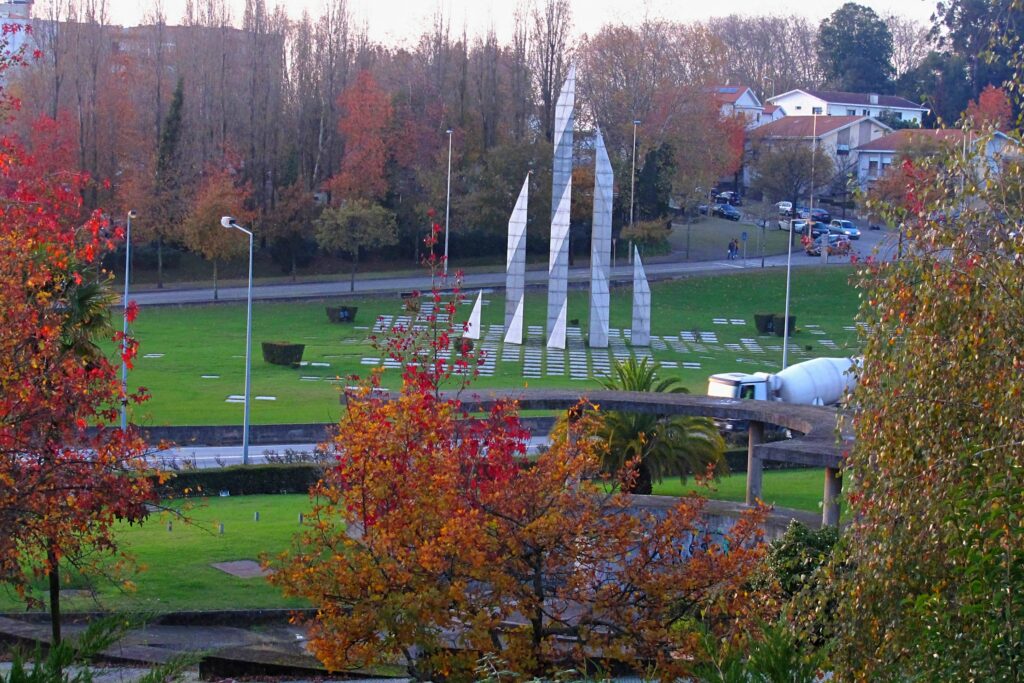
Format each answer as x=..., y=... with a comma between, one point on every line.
x=730, y=94
x=899, y=139
x=859, y=99
x=807, y=126
x=770, y=108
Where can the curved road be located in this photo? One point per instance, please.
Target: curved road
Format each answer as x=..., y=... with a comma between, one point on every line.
x=880, y=242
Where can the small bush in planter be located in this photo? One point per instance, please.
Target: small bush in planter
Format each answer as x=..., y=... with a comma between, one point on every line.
x=283, y=353
x=764, y=322
x=779, y=323
x=341, y=314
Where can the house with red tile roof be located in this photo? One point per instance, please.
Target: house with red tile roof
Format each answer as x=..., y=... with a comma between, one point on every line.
x=739, y=100
x=804, y=102
x=875, y=157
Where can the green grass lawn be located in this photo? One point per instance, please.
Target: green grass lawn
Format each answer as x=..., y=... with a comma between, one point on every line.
x=190, y=342
x=177, y=564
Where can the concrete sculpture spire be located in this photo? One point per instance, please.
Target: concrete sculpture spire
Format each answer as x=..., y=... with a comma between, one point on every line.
x=561, y=199
x=515, y=268
x=601, y=246
x=641, y=332
x=473, y=324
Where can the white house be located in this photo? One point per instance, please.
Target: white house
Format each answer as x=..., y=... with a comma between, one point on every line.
x=738, y=100
x=835, y=103
x=837, y=136
x=16, y=12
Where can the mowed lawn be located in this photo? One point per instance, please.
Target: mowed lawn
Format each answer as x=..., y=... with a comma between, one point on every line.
x=178, y=572
x=192, y=358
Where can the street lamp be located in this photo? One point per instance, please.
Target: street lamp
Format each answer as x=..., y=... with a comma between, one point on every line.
x=124, y=328
x=632, y=186
x=229, y=222
x=447, y=203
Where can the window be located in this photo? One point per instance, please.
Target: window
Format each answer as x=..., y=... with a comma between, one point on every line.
x=899, y=116
x=851, y=112
x=865, y=112
x=798, y=107
x=872, y=168
x=747, y=391
x=816, y=110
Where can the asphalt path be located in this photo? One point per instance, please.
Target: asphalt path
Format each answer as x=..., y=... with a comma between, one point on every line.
x=878, y=242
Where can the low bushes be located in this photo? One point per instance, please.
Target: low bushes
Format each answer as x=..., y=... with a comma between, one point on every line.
x=283, y=353
x=341, y=314
x=650, y=236
x=243, y=480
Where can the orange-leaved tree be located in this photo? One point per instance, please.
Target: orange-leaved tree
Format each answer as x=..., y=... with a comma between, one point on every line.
x=433, y=542
x=66, y=475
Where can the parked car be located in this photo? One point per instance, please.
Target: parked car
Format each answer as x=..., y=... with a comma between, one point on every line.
x=726, y=211
x=838, y=245
x=845, y=227
x=702, y=209
x=785, y=208
x=793, y=224
x=816, y=214
x=729, y=197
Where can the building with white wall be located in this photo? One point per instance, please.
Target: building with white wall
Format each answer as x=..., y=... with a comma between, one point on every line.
x=837, y=103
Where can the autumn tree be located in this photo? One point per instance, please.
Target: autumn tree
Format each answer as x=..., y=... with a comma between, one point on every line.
x=218, y=196
x=431, y=545
x=290, y=227
x=364, y=123
x=937, y=466
x=991, y=109
x=355, y=226
x=784, y=170
x=67, y=474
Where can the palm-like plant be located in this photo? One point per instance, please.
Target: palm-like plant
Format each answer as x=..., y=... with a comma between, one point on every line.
x=666, y=446
x=86, y=309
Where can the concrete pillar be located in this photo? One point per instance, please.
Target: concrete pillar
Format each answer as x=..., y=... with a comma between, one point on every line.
x=830, y=502
x=755, y=436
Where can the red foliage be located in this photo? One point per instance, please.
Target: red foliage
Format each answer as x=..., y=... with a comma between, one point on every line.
x=365, y=122
x=65, y=476
x=992, y=108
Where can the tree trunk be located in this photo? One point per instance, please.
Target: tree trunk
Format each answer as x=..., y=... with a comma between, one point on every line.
x=294, y=267
x=54, y=578
x=642, y=485
x=215, y=279
x=160, y=262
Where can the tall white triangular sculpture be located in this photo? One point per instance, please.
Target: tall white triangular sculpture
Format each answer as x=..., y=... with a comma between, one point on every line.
x=473, y=325
x=601, y=246
x=641, y=332
x=561, y=199
x=515, y=268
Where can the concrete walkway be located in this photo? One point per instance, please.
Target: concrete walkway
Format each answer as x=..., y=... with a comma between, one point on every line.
x=883, y=242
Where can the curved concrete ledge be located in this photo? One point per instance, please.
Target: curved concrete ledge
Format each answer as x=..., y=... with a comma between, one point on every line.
x=819, y=443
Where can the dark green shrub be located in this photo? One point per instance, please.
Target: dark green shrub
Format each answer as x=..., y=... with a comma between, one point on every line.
x=283, y=353
x=243, y=480
x=650, y=236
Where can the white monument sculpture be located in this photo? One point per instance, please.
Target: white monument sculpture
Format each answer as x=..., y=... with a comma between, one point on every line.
x=515, y=268
x=601, y=246
x=641, y=332
x=473, y=324
x=561, y=199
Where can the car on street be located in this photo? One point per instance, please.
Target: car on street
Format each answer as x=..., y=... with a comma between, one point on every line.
x=816, y=214
x=845, y=227
x=785, y=208
x=726, y=211
x=793, y=224
x=729, y=197
x=838, y=245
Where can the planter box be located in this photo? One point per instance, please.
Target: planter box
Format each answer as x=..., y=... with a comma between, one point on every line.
x=764, y=322
x=283, y=353
x=779, y=322
x=341, y=314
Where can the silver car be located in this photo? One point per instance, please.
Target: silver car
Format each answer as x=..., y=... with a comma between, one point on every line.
x=841, y=226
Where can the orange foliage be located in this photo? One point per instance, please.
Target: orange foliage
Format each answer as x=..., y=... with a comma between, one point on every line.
x=365, y=122
x=992, y=108
x=431, y=542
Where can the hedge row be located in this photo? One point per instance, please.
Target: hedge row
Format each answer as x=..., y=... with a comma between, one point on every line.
x=242, y=480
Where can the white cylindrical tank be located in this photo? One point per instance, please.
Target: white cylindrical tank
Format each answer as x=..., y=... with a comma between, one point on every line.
x=816, y=382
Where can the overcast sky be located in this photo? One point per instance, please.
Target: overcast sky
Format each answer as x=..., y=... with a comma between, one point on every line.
x=401, y=21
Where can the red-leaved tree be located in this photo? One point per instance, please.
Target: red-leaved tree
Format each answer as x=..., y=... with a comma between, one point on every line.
x=433, y=543
x=66, y=477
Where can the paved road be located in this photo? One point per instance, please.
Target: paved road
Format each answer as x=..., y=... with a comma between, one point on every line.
x=871, y=240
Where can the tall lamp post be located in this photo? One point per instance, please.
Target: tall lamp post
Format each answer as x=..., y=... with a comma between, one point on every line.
x=632, y=187
x=124, y=325
x=447, y=203
x=229, y=222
